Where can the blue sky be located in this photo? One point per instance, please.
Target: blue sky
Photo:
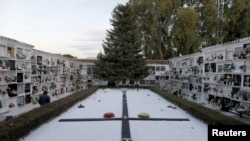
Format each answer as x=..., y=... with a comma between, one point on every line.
x=75, y=27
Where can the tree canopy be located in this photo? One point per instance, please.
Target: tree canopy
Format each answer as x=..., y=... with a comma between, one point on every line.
x=68, y=56
x=168, y=28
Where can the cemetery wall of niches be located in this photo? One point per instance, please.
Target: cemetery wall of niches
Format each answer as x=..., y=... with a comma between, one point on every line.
x=218, y=73
x=25, y=73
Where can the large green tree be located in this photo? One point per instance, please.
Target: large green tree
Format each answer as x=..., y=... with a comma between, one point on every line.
x=237, y=20
x=185, y=37
x=154, y=17
x=208, y=22
x=123, y=58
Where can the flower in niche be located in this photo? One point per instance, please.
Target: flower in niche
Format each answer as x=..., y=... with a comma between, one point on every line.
x=7, y=78
x=8, y=89
x=26, y=76
x=11, y=105
x=13, y=78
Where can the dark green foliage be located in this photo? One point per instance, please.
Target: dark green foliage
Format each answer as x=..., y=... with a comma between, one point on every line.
x=122, y=58
x=22, y=125
x=185, y=25
x=237, y=20
x=68, y=56
x=185, y=37
x=208, y=23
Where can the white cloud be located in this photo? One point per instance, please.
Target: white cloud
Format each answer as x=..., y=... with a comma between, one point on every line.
x=58, y=26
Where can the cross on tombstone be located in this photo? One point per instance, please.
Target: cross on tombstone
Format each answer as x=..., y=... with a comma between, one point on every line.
x=125, y=134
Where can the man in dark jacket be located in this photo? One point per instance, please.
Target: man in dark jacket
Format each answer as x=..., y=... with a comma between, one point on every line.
x=44, y=98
